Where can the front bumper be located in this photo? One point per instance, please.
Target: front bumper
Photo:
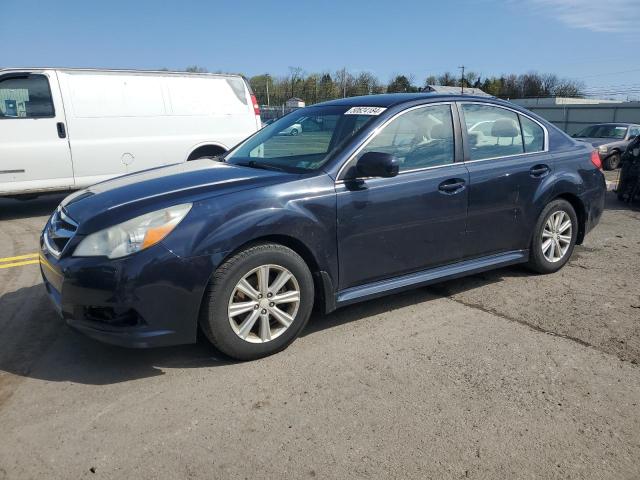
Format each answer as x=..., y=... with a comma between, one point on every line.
x=149, y=299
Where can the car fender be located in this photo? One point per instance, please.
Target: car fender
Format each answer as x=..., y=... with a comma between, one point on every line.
x=221, y=226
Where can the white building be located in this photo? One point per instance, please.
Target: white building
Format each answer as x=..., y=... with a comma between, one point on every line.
x=295, y=102
x=455, y=90
x=549, y=101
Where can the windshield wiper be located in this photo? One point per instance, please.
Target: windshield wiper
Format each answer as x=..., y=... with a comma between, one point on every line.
x=263, y=166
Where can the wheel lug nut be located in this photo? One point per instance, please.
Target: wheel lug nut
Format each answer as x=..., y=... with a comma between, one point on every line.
x=260, y=295
x=264, y=311
x=269, y=295
x=255, y=307
x=271, y=304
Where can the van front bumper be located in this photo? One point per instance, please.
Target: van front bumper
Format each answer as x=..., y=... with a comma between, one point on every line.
x=148, y=299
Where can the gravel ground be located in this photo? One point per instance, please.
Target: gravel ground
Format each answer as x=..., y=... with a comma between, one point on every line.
x=500, y=375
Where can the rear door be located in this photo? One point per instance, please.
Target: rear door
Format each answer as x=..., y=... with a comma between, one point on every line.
x=509, y=166
x=416, y=220
x=34, y=149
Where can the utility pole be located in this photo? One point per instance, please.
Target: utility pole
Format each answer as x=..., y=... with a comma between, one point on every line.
x=462, y=80
x=344, y=82
x=267, y=78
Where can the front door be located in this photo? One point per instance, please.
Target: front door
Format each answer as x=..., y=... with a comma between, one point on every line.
x=34, y=150
x=416, y=220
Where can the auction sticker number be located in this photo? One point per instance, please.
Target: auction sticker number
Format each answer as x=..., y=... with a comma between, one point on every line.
x=365, y=111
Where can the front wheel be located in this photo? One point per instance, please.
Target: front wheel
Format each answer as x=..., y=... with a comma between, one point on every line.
x=554, y=237
x=294, y=132
x=611, y=162
x=258, y=302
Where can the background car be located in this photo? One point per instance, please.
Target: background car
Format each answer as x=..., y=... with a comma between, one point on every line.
x=610, y=139
x=292, y=130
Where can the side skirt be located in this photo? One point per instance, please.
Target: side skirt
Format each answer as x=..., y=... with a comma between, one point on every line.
x=427, y=277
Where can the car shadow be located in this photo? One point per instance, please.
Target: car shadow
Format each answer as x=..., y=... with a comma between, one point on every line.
x=38, y=344
x=44, y=205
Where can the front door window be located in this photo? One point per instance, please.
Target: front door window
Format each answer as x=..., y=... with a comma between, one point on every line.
x=25, y=97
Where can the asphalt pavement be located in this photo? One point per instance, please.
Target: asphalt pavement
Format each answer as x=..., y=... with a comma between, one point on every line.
x=505, y=374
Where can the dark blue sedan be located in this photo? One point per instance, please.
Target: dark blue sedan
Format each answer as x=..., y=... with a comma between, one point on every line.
x=389, y=192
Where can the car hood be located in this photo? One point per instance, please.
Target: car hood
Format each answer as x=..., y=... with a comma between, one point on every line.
x=122, y=198
x=597, y=142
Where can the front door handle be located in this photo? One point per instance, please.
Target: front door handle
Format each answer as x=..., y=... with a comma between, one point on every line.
x=451, y=186
x=539, y=170
x=62, y=132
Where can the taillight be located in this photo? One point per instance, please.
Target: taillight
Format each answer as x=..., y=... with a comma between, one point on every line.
x=256, y=107
x=595, y=159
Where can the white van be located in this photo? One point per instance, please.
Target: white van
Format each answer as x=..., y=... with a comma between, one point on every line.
x=64, y=129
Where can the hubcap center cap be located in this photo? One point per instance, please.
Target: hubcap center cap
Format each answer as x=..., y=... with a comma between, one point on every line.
x=264, y=303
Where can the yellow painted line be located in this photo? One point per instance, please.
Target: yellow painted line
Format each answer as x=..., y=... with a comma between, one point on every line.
x=19, y=264
x=19, y=257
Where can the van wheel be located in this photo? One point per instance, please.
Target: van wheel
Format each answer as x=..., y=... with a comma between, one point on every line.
x=611, y=162
x=258, y=302
x=554, y=237
x=209, y=152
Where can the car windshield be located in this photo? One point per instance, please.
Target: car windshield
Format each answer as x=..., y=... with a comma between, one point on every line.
x=603, y=131
x=303, y=140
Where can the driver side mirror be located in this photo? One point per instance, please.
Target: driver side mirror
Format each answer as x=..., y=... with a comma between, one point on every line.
x=377, y=164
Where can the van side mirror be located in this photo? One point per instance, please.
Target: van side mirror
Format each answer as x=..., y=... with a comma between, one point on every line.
x=377, y=164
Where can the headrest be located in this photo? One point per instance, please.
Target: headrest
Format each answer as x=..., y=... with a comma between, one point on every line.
x=504, y=127
x=438, y=131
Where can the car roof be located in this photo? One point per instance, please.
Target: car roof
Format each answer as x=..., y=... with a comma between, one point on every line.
x=391, y=99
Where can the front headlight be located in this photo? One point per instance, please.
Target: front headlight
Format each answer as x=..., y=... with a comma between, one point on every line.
x=603, y=149
x=133, y=235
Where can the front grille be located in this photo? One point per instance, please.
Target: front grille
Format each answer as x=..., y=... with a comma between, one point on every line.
x=60, y=229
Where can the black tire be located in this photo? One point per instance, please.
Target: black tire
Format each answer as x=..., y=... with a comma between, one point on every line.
x=537, y=261
x=294, y=132
x=611, y=162
x=214, y=319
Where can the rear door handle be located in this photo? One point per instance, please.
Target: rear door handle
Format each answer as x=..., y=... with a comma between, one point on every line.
x=539, y=170
x=451, y=186
x=62, y=132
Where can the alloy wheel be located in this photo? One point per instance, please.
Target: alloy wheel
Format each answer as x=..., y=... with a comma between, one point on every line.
x=556, y=236
x=264, y=303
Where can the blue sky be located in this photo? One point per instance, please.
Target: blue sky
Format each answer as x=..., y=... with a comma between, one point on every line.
x=589, y=40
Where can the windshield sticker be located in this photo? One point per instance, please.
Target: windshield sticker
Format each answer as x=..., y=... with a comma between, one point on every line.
x=365, y=111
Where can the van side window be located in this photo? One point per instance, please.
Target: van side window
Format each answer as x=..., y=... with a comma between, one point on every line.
x=532, y=134
x=492, y=131
x=25, y=97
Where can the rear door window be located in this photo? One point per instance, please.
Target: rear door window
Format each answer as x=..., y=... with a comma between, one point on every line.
x=492, y=131
x=532, y=135
x=25, y=97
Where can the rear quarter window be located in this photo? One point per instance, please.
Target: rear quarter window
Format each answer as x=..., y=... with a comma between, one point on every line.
x=532, y=135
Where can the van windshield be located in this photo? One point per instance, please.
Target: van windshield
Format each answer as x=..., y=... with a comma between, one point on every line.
x=301, y=141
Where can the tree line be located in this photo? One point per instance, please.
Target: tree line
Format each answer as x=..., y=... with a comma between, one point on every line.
x=319, y=87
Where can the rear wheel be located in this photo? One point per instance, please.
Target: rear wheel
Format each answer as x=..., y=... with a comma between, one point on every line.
x=294, y=132
x=258, y=302
x=611, y=162
x=554, y=237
